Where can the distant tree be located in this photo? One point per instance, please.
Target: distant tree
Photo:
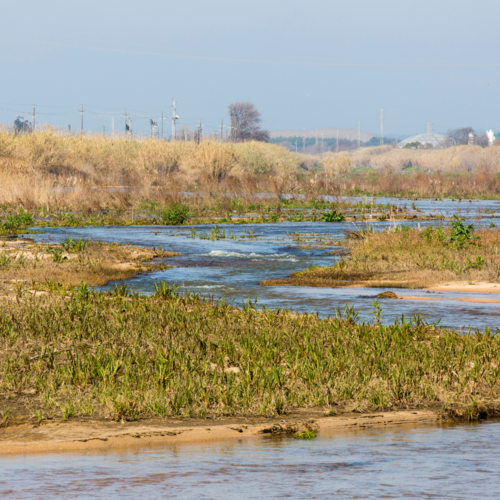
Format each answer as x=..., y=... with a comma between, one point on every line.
x=245, y=123
x=482, y=141
x=413, y=145
x=460, y=135
x=21, y=125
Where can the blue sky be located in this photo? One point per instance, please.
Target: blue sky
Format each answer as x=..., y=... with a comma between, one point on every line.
x=313, y=64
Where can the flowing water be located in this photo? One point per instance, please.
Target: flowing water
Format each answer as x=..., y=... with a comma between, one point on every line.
x=232, y=268
x=450, y=462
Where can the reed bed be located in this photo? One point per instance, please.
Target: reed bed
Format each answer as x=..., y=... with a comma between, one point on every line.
x=111, y=356
x=45, y=172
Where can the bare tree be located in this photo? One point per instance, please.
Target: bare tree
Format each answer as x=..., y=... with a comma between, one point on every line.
x=245, y=123
x=482, y=141
x=460, y=135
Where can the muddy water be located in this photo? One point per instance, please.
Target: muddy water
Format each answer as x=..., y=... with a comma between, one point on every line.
x=232, y=268
x=455, y=462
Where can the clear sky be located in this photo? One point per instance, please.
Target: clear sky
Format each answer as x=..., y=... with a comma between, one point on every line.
x=304, y=64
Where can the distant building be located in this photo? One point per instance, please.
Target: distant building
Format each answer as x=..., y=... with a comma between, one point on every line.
x=429, y=138
x=491, y=137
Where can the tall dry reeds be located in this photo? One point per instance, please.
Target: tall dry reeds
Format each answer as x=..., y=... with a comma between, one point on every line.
x=44, y=169
x=53, y=172
x=455, y=159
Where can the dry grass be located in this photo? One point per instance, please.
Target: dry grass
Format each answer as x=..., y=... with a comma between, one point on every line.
x=454, y=159
x=56, y=172
x=407, y=259
x=46, y=172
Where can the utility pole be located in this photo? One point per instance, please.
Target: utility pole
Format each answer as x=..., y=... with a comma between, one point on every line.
x=162, y=124
x=130, y=120
x=221, y=130
x=199, y=132
x=359, y=135
x=337, y=143
x=112, y=126
x=81, y=111
x=174, y=119
x=126, y=124
x=33, y=115
x=381, y=127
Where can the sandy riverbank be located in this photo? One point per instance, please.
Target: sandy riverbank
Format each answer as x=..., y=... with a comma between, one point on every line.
x=99, y=435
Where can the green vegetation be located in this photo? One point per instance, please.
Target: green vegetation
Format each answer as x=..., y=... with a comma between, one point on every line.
x=127, y=356
x=305, y=435
x=16, y=222
x=413, y=145
x=176, y=214
x=409, y=258
x=332, y=216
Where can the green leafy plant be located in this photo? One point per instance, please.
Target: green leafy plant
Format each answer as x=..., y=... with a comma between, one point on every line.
x=15, y=222
x=164, y=290
x=332, y=216
x=461, y=233
x=176, y=214
x=74, y=246
x=305, y=435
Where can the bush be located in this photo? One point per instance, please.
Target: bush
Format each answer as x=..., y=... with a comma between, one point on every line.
x=176, y=214
x=332, y=216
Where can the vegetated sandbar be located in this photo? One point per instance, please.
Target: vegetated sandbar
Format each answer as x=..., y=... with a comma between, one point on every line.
x=81, y=365
x=456, y=258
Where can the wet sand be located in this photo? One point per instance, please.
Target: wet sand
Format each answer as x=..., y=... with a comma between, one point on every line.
x=98, y=435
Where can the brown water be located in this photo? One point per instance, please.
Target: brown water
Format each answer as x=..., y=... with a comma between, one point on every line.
x=454, y=461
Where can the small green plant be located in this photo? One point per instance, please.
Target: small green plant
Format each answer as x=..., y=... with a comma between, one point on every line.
x=16, y=222
x=164, y=290
x=461, y=233
x=67, y=411
x=5, y=417
x=382, y=218
x=38, y=416
x=332, y=216
x=57, y=254
x=176, y=214
x=83, y=291
x=305, y=435
x=74, y=246
x=492, y=225
x=120, y=290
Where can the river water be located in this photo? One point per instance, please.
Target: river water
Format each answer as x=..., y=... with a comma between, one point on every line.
x=232, y=268
x=449, y=462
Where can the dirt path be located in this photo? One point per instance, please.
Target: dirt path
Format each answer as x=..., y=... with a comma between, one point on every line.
x=89, y=436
